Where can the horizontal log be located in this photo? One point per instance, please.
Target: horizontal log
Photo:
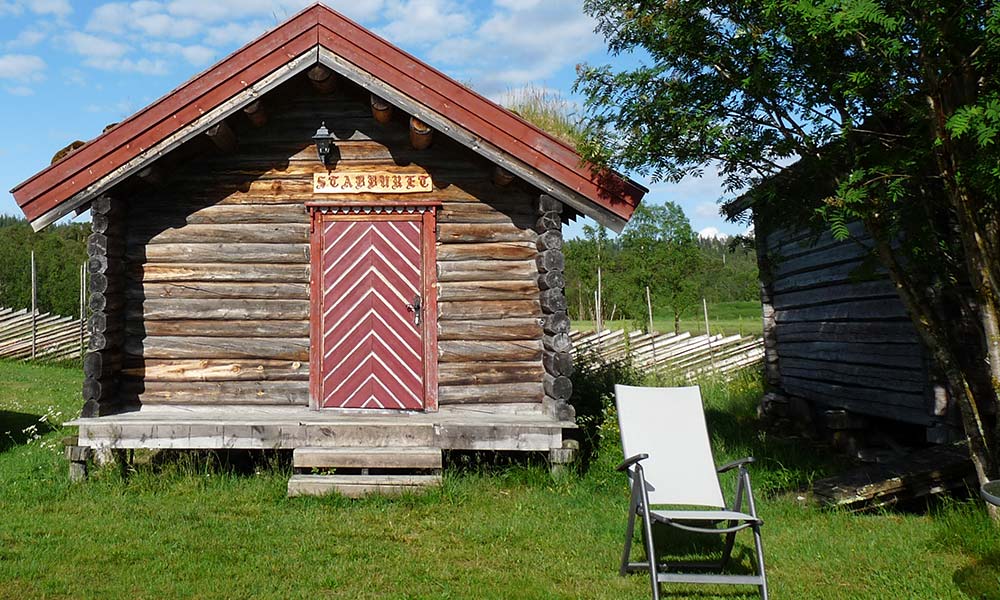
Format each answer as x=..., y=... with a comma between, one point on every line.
x=250, y=273
x=250, y=233
x=888, y=378
x=153, y=309
x=558, y=387
x=553, y=301
x=151, y=370
x=550, y=260
x=99, y=365
x=470, y=351
x=107, y=223
x=882, y=332
x=197, y=213
x=871, y=310
x=490, y=393
x=293, y=349
x=487, y=270
x=105, y=341
x=520, y=251
x=558, y=363
x=518, y=213
x=110, y=303
x=559, y=342
x=550, y=240
x=487, y=290
x=886, y=355
x=488, y=309
x=819, y=259
x=100, y=263
x=106, y=245
x=477, y=233
x=106, y=205
x=552, y=280
x=548, y=221
x=851, y=272
x=220, y=328
x=220, y=253
x=496, y=329
x=208, y=289
x=217, y=392
x=882, y=288
x=838, y=395
x=99, y=389
x=102, y=321
x=479, y=373
x=100, y=283
x=557, y=322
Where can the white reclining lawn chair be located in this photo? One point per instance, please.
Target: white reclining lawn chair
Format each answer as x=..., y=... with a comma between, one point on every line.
x=669, y=462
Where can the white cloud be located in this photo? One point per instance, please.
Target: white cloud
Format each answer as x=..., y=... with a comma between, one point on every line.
x=524, y=42
x=59, y=8
x=20, y=90
x=235, y=33
x=141, y=19
x=422, y=21
x=22, y=67
x=195, y=54
x=712, y=232
x=27, y=39
x=358, y=11
x=10, y=8
x=93, y=47
x=230, y=10
x=707, y=210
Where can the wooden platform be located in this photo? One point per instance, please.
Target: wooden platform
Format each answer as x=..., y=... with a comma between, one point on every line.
x=493, y=427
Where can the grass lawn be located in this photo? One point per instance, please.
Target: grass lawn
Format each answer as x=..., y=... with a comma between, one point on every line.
x=727, y=318
x=178, y=528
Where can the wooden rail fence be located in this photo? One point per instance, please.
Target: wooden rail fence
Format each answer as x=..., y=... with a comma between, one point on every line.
x=25, y=334
x=684, y=353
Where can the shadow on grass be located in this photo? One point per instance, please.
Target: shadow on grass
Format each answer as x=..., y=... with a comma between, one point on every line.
x=980, y=580
x=17, y=428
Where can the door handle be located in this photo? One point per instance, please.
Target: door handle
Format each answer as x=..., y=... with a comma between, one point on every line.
x=415, y=307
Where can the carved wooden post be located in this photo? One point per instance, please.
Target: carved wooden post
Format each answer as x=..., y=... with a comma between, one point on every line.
x=556, y=357
x=106, y=269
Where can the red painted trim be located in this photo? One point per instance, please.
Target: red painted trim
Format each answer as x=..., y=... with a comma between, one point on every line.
x=371, y=203
x=315, y=308
x=429, y=254
x=319, y=25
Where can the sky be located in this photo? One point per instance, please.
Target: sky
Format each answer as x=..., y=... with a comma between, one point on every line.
x=68, y=69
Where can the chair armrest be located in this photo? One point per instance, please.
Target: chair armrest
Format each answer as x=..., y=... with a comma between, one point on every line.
x=628, y=462
x=734, y=464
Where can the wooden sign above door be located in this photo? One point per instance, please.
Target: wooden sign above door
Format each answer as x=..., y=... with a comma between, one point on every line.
x=371, y=182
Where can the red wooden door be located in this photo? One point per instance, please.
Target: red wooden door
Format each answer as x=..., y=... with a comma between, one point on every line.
x=371, y=352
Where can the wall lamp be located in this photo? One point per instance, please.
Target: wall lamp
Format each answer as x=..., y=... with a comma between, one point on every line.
x=324, y=142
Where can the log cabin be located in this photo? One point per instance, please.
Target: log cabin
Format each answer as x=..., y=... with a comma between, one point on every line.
x=842, y=355
x=323, y=244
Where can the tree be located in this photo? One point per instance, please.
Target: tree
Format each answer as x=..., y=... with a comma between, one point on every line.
x=895, y=105
x=662, y=255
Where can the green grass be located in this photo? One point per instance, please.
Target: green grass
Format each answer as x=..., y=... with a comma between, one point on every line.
x=727, y=318
x=184, y=528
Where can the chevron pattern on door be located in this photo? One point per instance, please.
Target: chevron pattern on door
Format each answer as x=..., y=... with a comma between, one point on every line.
x=372, y=348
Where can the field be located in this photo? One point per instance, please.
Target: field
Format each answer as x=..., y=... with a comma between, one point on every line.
x=727, y=318
x=199, y=527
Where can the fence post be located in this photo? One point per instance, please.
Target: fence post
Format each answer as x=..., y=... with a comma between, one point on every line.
x=708, y=331
x=34, y=308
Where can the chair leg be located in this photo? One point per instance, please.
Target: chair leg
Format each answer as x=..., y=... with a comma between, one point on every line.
x=727, y=550
x=629, y=533
x=760, y=562
x=647, y=535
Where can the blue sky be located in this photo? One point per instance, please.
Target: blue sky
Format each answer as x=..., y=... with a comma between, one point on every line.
x=67, y=69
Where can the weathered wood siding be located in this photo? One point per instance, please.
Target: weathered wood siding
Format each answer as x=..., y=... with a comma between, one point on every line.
x=836, y=332
x=217, y=262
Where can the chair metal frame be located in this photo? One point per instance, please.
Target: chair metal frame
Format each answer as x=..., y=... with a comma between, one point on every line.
x=734, y=519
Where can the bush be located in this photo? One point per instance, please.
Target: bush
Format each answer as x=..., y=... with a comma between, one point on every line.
x=593, y=398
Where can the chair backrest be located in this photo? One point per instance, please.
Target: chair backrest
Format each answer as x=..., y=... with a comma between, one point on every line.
x=668, y=424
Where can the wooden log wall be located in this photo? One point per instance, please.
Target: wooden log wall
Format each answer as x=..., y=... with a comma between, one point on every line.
x=217, y=261
x=557, y=346
x=836, y=333
x=106, y=271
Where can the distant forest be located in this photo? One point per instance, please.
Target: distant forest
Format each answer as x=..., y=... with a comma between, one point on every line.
x=60, y=251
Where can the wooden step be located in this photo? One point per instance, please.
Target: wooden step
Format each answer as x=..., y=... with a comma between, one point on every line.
x=367, y=458
x=357, y=486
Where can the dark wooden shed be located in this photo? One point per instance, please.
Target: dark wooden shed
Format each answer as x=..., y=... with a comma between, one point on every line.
x=404, y=291
x=841, y=352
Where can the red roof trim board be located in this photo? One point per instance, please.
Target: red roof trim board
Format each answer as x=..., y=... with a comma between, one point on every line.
x=43, y=193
